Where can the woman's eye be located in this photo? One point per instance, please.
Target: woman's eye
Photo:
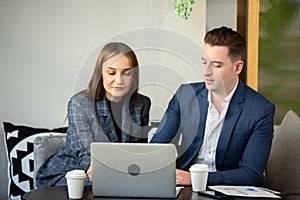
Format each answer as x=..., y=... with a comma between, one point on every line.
x=127, y=73
x=111, y=72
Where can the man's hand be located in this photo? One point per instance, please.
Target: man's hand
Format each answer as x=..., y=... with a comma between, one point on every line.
x=89, y=172
x=183, y=177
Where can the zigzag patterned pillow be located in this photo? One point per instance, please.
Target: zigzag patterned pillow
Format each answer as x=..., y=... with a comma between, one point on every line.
x=19, y=146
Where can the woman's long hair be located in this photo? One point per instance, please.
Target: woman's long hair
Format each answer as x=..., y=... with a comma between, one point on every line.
x=95, y=89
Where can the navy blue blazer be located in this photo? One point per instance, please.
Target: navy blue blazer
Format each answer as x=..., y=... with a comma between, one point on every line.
x=245, y=140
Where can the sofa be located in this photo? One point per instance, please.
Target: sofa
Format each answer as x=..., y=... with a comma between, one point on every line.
x=281, y=171
x=284, y=162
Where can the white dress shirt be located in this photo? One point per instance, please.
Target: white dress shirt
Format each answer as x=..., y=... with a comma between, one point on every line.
x=213, y=127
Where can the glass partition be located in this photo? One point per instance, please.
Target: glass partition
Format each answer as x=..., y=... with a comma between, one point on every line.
x=279, y=54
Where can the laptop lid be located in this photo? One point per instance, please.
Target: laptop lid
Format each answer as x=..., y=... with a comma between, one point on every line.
x=133, y=170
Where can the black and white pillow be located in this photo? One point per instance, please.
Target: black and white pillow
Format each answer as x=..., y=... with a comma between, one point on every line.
x=19, y=146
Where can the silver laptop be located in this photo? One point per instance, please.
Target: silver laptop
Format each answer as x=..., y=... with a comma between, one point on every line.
x=133, y=170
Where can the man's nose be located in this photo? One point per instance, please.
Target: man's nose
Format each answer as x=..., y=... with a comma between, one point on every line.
x=207, y=69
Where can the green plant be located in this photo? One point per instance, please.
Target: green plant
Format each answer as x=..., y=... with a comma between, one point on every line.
x=183, y=8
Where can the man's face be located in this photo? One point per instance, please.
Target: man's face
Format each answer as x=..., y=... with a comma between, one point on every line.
x=220, y=73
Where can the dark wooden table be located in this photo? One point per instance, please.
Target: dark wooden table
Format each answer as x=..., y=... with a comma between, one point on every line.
x=61, y=193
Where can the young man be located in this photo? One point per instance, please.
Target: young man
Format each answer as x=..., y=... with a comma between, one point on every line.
x=224, y=123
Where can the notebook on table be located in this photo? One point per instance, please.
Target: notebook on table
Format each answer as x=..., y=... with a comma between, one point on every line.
x=133, y=170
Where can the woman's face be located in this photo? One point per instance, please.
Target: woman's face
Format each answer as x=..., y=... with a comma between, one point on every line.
x=117, y=75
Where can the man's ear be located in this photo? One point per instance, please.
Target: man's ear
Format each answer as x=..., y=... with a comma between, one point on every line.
x=239, y=66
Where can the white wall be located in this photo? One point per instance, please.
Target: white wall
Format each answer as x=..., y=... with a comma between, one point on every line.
x=221, y=13
x=45, y=45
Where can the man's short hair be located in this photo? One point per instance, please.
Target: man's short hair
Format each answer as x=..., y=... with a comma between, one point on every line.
x=227, y=37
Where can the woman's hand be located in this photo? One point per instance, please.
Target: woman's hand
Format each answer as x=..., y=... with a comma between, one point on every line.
x=89, y=172
x=183, y=177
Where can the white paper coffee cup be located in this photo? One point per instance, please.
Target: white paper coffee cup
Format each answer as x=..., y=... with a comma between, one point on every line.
x=75, y=183
x=199, y=174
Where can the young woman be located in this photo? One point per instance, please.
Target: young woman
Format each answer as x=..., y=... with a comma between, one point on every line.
x=109, y=110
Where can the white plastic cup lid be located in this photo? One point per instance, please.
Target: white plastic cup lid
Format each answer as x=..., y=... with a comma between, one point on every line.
x=77, y=173
x=199, y=167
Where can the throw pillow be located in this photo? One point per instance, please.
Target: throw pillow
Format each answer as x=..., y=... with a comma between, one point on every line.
x=19, y=146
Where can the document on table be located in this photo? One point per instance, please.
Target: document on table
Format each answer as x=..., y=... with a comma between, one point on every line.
x=244, y=191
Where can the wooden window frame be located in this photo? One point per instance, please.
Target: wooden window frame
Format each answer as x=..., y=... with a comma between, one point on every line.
x=248, y=24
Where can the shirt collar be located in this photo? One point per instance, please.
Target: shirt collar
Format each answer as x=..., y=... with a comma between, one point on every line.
x=229, y=96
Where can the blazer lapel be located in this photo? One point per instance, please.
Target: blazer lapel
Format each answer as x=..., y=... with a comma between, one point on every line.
x=203, y=115
x=126, y=125
x=130, y=128
x=233, y=113
x=106, y=121
x=197, y=142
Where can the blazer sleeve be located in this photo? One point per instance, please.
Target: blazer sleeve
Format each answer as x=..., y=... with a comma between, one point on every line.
x=74, y=155
x=79, y=135
x=170, y=122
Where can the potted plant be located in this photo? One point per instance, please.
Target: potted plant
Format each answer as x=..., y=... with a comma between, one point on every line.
x=183, y=8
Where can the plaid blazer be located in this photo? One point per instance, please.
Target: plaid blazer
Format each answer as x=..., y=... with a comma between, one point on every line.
x=88, y=122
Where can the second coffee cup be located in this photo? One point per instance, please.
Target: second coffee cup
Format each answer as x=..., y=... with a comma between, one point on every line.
x=199, y=174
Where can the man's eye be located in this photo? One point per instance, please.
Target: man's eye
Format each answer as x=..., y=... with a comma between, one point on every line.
x=204, y=63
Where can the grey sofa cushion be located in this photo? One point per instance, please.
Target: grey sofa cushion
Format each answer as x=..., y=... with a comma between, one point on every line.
x=284, y=162
x=46, y=146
